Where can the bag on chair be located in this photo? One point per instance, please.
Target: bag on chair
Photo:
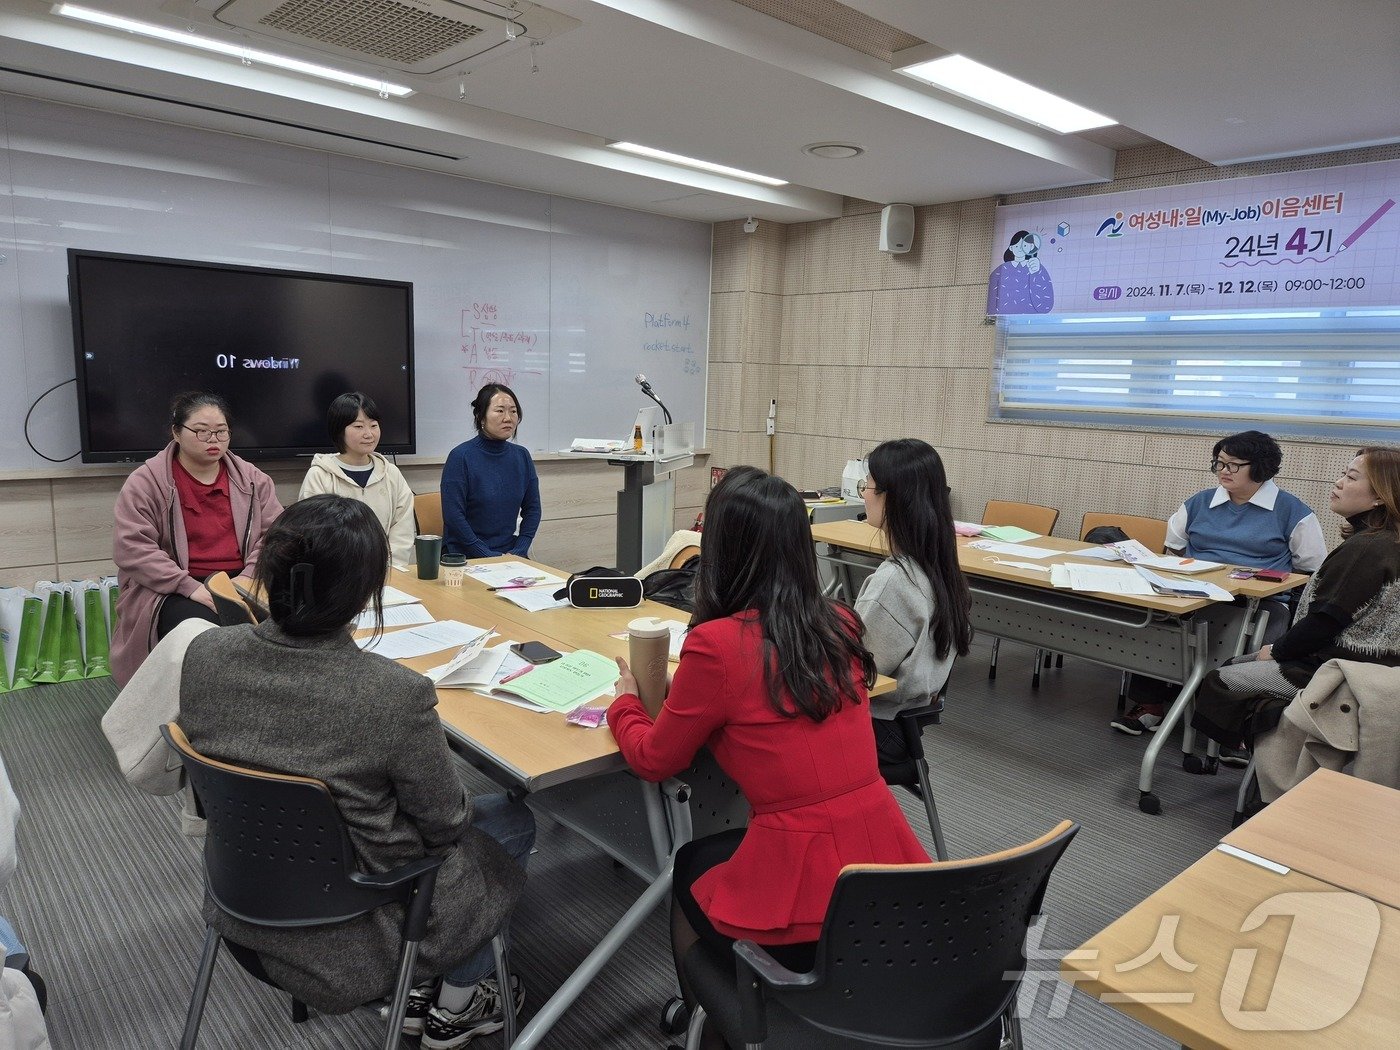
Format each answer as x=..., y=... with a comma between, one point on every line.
x=1106, y=534
x=673, y=587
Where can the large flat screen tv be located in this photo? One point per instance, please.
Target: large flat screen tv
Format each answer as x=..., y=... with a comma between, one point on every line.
x=278, y=345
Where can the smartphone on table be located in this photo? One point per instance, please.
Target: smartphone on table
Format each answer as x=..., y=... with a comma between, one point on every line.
x=534, y=652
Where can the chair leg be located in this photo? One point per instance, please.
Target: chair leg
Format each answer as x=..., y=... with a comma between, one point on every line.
x=939, y=849
x=1035, y=674
x=1059, y=659
x=1012, y=1028
x=696, y=1029
x=992, y=668
x=1125, y=681
x=399, y=1005
x=201, y=989
x=498, y=951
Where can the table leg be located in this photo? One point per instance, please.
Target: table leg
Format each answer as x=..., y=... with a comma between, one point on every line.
x=1147, y=801
x=531, y=1035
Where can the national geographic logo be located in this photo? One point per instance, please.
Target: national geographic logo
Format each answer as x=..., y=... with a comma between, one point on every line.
x=595, y=593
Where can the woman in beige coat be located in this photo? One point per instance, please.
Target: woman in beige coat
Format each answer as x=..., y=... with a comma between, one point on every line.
x=358, y=472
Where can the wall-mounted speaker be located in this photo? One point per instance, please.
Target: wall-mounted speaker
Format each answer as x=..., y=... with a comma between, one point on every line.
x=897, y=228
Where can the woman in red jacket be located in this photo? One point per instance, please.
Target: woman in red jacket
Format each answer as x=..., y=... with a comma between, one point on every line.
x=772, y=679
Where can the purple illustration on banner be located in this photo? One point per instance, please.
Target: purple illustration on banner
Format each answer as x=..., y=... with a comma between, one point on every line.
x=1021, y=284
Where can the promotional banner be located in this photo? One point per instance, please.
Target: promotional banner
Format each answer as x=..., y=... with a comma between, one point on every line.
x=1326, y=238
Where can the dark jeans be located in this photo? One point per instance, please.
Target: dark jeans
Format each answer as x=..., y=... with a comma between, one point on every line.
x=513, y=826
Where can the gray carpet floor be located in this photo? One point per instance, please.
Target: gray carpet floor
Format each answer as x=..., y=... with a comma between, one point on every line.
x=108, y=890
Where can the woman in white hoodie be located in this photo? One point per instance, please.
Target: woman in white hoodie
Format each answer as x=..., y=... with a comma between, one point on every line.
x=361, y=473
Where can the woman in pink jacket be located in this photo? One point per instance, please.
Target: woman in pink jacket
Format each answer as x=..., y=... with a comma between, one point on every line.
x=189, y=511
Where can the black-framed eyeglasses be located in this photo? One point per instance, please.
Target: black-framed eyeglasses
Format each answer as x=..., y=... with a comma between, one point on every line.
x=1219, y=465
x=207, y=435
x=862, y=485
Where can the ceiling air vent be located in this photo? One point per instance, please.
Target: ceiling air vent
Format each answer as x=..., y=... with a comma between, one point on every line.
x=410, y=36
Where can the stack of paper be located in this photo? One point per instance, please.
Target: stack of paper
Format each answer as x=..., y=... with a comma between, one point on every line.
x=1183, y=588
x=420, y=641
x=561, y=685
x=1134, y=553
x=394, y=596
x=1018, y=549
x=1102, y=579
x=394, y=616
x=511, y=574
x=477, y=667
x=598, y=445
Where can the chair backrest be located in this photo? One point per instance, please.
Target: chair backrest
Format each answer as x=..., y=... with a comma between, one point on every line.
x=1024, y=515
x=427, y=512
x=275, y=848
x=917, y=955
x=228, y=603
x=1150, y=532
x=683, y=555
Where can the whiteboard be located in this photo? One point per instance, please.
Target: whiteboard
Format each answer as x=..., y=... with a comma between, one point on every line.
x=562, y=300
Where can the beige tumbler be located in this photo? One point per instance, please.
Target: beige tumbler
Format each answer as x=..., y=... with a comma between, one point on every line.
x=648, y=642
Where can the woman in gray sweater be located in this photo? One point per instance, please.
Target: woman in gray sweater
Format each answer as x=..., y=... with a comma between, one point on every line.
x=295, y=694
x=915, y=606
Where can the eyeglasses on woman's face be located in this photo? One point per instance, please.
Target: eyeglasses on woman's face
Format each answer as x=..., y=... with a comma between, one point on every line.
x=1225, y=466
x=204, y=434
x=866, y=485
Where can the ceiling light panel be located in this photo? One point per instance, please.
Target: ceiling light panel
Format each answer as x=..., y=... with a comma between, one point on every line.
x=693, y=162
x=189, y=38
x=989, y=87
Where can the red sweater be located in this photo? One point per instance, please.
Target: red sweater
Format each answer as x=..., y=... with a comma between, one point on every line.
x=818, y=800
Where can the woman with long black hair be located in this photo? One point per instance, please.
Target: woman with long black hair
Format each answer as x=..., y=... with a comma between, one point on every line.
x=916, y=606
x=772, y=679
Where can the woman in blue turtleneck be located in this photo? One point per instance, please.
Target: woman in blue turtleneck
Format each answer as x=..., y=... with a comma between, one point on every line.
x=489, y=483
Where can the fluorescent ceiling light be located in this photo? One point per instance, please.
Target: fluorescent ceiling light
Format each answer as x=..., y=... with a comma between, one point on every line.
x=188, y=38
x=1245, y=316
x=1103, y=320
x=983, y=84
x=691, y=162
x=1373, y=313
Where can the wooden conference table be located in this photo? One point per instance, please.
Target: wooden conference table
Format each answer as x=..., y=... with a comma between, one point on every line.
x=576, y=775
x=1304, y=954
x=1144, y=634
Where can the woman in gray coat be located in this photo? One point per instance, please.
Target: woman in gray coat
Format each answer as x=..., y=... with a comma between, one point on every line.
x=296, y=695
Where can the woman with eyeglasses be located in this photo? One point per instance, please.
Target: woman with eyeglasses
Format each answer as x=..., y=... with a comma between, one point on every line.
x=490, y=491
x=916, y=606
x=191, y=510
x=1246, y=521
x=1349, y=610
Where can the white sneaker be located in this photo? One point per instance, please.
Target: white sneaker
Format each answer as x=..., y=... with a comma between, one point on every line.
x=443, y=1030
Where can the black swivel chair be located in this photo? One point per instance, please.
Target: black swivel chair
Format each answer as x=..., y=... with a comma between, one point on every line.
x=912, y=775
x=300, y=872
x=914, y=956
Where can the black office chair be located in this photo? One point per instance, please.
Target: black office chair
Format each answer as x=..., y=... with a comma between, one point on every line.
x=283, y=872
x=910, y=955
x=913, y=774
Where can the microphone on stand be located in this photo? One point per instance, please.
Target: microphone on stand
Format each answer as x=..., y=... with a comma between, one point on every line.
x=641, y=381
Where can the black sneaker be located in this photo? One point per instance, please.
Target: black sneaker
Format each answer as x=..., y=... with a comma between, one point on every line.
x=1138, y=721
x=443, y=1030
x=420, y=1001
x=1234, y=756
